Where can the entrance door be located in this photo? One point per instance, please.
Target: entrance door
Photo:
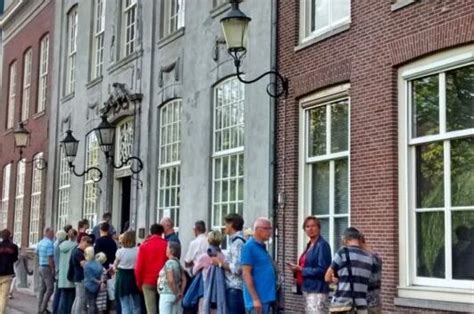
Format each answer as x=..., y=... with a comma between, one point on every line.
x=125, y=204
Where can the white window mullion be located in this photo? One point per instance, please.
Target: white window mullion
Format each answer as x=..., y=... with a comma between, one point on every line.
x=328, y=129
x=447, y=211
x=332, y=185
x=442, y=103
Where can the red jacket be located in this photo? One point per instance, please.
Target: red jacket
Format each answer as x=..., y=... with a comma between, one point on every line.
x=150, y=260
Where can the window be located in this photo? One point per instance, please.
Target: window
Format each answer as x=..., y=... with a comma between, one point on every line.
x=170, y=163
x=43, y=73
x=326, y=166
x=71, y=51
x=172, y=16
x=129, y=26
x=36, y=188
x=436, y=176
x=321, y=16
x=91, y=188
x=11, y=96
x=125, y=133
x=228, y=153
x=64, y=191
x=98, y=39
x=5, y=197
x=19, y=200
x=25, y=108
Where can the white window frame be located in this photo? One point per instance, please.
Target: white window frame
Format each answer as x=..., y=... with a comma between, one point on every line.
x=305, y=22
x=26, y=95
x=129, y=27
x=19, y=201
x=72, y=19
x=323, y=98
x=173, y=16
x=5, y=196
x=35, y=204
x=411, y=286
x=221, y=154
x=98, y=39
x=11, y=95
x=169, y=161
x=43, y=73
x=91, y=189
x=64, y=190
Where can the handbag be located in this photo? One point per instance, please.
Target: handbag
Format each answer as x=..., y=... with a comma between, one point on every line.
x=194, y=292
x=101, y=301
x=351, y=306
x=111, y=288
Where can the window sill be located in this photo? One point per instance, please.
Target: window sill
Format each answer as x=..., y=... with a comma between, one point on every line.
x=122, y=62
x=39, y=114
x=319, y=38
x=401, y=4
x=67, y=98
x=218, y=10
x=94, y=82
x=435, y=298
x=171, y=37
x=434, y=305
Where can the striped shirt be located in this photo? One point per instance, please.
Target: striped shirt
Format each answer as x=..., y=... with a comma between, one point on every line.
x=361, y=266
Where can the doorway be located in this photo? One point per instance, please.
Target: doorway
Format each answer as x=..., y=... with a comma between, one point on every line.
x=126, y=184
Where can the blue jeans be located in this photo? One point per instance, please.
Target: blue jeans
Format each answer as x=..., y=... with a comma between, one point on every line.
x=168, y=304
x=66, y=300
x=57, y=297
x=265, y=309
x=235, y=301
x=130, y=304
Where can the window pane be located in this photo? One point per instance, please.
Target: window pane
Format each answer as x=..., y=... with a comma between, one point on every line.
x=460, y=99
x=340, y=224
x=339, y=127
x=462, y=172
x=429, y=176
x=321, y=14
x=317, y=132
x=425, y=102
x=325, y=229
x=341, y=186
x=430, y=244
x=320, y=180
x=463, y=245
x=340, y=10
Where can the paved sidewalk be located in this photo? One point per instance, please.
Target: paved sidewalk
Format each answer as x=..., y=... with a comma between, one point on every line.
x=24, y=301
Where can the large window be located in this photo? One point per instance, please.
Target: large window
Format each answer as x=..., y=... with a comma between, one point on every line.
x=91, y=188
x=98, y=38
x=19, y=201
x=228, y=153
x=11, y=96
x=321, y=16
x=25, y=107
x=129, y=27
x=5, y=197
x=43, y=73
x=71, y=51
x=64, y=191
x=36, y=188
x=172, y=16
x=326, y=166
x=170, y=161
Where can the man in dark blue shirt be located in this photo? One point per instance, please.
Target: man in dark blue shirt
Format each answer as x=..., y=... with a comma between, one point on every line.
x=106, y=244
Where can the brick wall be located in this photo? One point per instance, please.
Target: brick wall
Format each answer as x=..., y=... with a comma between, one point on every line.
x=367, y=55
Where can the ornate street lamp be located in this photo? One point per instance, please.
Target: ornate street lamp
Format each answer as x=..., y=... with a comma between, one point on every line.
x=22, y=136
x=235, y=29
x=70, y=145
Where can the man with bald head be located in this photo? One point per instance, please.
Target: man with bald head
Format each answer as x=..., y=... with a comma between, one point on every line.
x=168, y=225
x=258, y=270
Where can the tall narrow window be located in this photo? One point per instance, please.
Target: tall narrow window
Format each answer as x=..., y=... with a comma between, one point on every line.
x=129, y=26
x=327, y=167
x=169, y=172
x=98, y=39
x=5, y=197
x=71, y=51
x=36, y=188
x=64, y=191
x=91, y=187
x=25, y=107
x=228, y=152
x=11, y=96
x=172, y=16
x=43, y=73
x=19, y=201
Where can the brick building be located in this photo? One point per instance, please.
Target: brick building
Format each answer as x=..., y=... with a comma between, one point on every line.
x=27, y=28
x=377, y=132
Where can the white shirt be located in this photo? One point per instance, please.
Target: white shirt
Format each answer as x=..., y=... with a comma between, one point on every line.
x=127, y=257
x=197, y=247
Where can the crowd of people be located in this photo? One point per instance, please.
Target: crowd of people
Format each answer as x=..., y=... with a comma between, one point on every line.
x=95, y=270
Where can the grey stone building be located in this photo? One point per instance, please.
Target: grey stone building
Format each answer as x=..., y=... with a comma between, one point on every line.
x=205, y=139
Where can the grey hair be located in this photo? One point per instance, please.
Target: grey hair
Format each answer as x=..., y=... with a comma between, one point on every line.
x=167, y=220
x=175, y=249
x=260, y=222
